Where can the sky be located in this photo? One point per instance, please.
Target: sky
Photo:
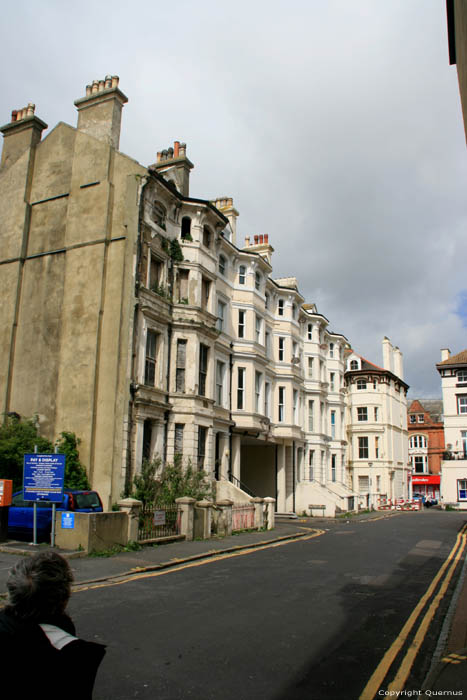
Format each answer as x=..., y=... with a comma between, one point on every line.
x=336, y=127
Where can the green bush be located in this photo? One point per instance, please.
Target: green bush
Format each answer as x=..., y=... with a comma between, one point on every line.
x=174, y=481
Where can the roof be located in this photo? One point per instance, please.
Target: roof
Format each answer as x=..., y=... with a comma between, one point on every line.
x=459, y=359
x=434, y=407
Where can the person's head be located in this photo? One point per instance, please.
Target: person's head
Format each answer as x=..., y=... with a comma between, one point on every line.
x=39, y=586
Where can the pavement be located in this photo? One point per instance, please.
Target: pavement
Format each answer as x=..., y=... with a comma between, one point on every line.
x=448, y=674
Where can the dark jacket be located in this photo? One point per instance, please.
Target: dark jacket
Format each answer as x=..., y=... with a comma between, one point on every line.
x=32, y=665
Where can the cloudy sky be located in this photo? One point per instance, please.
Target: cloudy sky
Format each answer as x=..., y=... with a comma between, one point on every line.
x=334, y=124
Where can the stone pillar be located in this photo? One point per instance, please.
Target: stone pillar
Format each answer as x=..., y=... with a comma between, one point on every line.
x=132, y=508
x=224, y=521
x=186, y=508
x=259, y=518
x=236, y=456
x=269, y=508
x=224, y=456
x=281, y=494
x=138, y=446
x=203, y=519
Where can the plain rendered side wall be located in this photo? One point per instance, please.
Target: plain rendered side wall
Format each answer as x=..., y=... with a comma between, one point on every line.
x=460, y=26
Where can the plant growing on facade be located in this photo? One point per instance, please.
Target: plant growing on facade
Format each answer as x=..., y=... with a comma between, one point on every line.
x=75, y=473
x=175, y=250
x=163, y=486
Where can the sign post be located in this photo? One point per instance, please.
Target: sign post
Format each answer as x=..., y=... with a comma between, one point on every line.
x=43, y=477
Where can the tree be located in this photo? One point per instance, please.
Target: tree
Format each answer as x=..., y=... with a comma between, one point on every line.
x=173, y=482
x=18, y=437
x=75, y=473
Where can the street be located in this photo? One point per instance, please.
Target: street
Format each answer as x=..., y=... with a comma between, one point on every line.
x=307, y=619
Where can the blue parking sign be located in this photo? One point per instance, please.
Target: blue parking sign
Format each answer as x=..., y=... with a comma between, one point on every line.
x=68, y=521
x=43, y=477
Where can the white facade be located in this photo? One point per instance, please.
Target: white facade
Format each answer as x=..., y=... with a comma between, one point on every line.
x=377, y=427
x=453, y=372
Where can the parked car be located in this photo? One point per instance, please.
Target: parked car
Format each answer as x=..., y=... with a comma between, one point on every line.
x=20, y=515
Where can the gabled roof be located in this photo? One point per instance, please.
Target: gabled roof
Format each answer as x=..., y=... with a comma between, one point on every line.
x=434, y=408
x=459, y=359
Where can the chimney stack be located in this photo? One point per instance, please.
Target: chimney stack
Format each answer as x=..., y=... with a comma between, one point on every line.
x=174, y=160
x=23, y=132
x=445, y=354
x=100, y=111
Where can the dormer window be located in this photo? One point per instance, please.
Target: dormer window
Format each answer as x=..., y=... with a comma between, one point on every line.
x=159, y=214
x=206, y=237
x=186, y=228
x=353, y=365
x=222, y=264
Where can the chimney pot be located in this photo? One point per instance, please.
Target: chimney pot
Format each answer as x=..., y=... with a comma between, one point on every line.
x=261, y=238
x=247, y=241
x=115, y=81
x=256, y=239
x=266, y=237
x=108, y=82
x=95, y=87
x=14, y=115
x=170, y=151
x=31, y=108
x=159, y=155
x=176, y=148
x=88, y=90
x=101, y=85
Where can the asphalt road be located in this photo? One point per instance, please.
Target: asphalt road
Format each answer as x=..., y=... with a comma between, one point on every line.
x=310, y=619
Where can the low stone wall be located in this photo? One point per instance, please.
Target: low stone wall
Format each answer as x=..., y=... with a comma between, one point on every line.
x=91, y=531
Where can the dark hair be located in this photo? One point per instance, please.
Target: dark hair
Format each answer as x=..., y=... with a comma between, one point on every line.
x=39, y=586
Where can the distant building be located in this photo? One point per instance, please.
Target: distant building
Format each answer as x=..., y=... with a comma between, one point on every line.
x=426, y=445
x=377, y=426
x=453, y=371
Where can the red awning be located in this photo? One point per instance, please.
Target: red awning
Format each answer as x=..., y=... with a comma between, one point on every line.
x=426, y=478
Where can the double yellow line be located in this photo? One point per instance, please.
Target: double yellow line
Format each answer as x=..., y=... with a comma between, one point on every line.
x=446, y=571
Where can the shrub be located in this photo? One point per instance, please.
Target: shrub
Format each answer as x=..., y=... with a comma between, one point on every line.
x=173, y=482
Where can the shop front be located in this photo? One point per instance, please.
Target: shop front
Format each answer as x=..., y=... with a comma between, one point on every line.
x=427, y=485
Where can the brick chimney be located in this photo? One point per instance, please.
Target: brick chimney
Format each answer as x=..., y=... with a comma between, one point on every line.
x=445, y=354
x=261, y=245
x=174, y=165
x=100, y=112
x=22, y=133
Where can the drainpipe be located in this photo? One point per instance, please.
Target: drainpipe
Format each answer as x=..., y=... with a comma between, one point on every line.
x=230, y=411
x=293, y=474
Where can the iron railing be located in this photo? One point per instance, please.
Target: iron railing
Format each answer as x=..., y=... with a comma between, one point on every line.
x=158, y=521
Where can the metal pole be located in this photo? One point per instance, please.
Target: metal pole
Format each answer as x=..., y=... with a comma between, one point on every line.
x=34, y=516
x=54, y=507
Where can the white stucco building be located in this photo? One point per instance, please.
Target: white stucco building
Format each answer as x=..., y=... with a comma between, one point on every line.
x=453, y=372
x=376, y=424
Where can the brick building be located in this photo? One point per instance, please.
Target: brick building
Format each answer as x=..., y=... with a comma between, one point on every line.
x=426, y=445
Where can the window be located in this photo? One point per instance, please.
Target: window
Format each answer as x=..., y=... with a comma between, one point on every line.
x=267, y=393
x=310, y=331
x=421, y=418
x=295, y=406
x=363, y=484
x=186, y=228
x=240, y=388
x=159, y=214
x=294, y=311
x=362, y=413
x=462, y=489
x=333, y=424
x=266, y=300
x=462, y=376
x=180, y=366
x=178, y=438
x=462, y=404
x=241, y=323
x=203, y=368
x=257, y=280
x=361, y=384
x=220, y=324
x=280, y=307
x=267, y=343
x=281, y=349
x=464, y=443
x=333, y=467
x=222, y=264
x=354, y=365
x=378, y=484
x=220, y=370
x=331, y=380
x=374, y=384
x=417, y=441
x=331, y=350
x=310, y=368
x=202, y=432
x=281, y=403
x=258, y=378
x=150, y=363
x=242, y=274
x=206, y=236
x=419, y=463
x=311, y=459
x=310, y=416
x=294, y=350
x=155, y=273
x=413, y=419
x=182, y=277
x=363, y=448
x=376, y=447
x=376, y=414
x=205, y=290
x=258, y=329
